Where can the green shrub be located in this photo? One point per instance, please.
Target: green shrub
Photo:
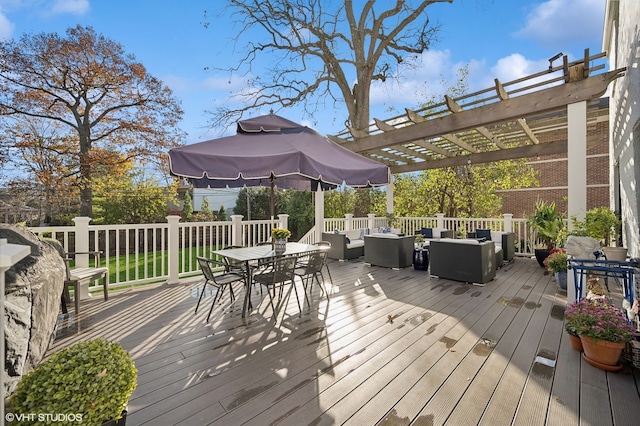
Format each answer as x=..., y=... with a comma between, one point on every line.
x=94, y=378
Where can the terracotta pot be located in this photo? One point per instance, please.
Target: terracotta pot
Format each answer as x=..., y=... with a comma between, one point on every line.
x=576, y=343
x=602, y=351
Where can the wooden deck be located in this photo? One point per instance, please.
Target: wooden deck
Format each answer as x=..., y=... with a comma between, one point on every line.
x=390, y=347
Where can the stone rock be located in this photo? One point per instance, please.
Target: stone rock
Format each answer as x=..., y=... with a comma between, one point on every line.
x=32, y=303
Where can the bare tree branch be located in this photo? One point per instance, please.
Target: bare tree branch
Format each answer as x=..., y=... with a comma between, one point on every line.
x=316, y=54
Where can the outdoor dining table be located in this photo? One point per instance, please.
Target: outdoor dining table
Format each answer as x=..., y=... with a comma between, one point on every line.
x=257, y=253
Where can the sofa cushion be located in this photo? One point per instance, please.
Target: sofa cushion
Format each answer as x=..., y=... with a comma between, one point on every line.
x=437, y=232
x=461, y=240
x=484, y=233
x=353, y=234
x=355, y=243
x=363, y=232
x=426, y=232
x=385, y=235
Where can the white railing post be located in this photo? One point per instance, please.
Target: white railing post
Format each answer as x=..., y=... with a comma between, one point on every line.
x=440, y=220
x=173, y=249
x=82, y=245
x=236, y=230
x=284, y=220
x=348, y=222
x=82, y=240
x=372, y=221
x=10, y=254
x=508, y=222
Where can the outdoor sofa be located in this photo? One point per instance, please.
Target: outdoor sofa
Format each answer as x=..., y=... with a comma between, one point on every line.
x=389, y=250
x=344, y=245
x=431, y=234
x=467, y=260
x=504, y=240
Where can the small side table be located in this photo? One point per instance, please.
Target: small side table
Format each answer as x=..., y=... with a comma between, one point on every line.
x=421, y=259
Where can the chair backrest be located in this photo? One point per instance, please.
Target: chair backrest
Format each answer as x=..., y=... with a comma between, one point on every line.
x=284, y=269
x=315, y=262
x=205, y=267
x=231, y=263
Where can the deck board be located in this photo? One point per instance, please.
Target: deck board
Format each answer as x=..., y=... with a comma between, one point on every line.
x=452, y=353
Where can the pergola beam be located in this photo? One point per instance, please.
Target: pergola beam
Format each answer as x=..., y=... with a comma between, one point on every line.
x=527, y=151
x=455, y=108
x=540, y=102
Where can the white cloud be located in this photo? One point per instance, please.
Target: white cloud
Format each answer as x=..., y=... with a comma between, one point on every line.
x=559, y=22
x=74, y=7
x=6, y=27
x=515, y=66
x=232, y=84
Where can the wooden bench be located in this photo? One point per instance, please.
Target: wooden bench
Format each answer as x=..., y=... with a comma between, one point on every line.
x=78, y=276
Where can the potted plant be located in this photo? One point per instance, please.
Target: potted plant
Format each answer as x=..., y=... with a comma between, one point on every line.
x=90, y=380
x=279, y=237
x=603, y=329
x=547, y=223
x=556, y=263
x=602, y=224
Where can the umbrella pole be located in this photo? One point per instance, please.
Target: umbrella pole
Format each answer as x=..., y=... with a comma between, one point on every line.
x=272, y=208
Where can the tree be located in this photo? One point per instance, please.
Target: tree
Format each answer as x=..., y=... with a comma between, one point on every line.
x=187, y=208
x=204, y=214
x=128, y=194
x=316, y=50
x=222, y=214
x=38, y=151
x=464, y=191
x=87, y=84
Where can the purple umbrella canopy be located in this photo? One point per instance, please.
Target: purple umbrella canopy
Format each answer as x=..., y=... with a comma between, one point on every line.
x=270, y=150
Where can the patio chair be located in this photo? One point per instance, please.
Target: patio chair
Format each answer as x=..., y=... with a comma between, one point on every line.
x=219, y=282
x=309, y=269
x=75, y=277
x=275, y=275
x=234, y=265
x=326, y=246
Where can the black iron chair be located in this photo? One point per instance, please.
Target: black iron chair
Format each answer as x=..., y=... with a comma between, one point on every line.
x=326, y=246
x=219, y=282
x=275, y=275
x=309, y=269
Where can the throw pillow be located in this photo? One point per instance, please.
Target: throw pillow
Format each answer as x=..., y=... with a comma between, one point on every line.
x=427, y=232
x=483, y=233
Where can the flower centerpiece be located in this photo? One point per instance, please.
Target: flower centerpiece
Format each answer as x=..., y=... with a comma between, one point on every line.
x=279, y=237
x=280, y=233
x=556, y=262
x=602, y=327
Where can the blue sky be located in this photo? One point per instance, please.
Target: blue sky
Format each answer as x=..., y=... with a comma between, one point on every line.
x=504, y=39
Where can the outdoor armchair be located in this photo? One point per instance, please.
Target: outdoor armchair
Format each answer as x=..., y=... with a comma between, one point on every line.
x=77, y=276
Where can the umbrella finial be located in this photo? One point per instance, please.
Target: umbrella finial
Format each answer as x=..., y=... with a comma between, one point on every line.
x=271, y=111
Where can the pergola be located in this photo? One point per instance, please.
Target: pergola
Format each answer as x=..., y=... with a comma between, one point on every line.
x=507, y=121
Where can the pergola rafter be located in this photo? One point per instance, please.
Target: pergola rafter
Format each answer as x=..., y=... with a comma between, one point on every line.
x=506, y=121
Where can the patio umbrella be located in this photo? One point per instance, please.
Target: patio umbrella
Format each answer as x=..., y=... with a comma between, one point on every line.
x=272, y=151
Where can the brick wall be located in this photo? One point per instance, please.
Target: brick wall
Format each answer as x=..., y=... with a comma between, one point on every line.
x=552, y=175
